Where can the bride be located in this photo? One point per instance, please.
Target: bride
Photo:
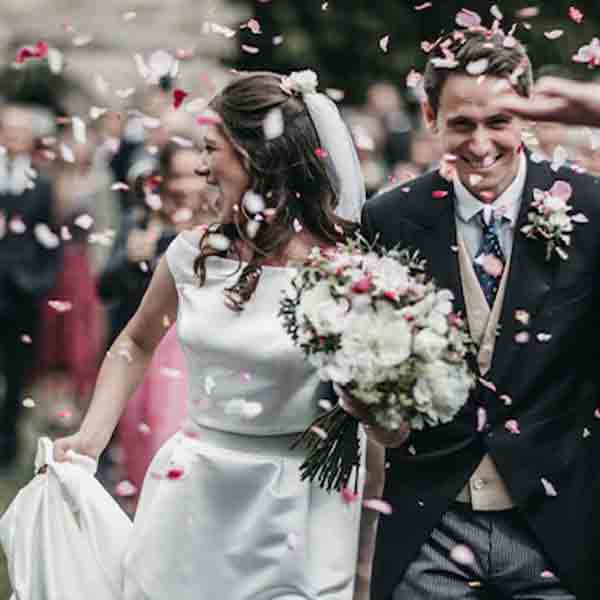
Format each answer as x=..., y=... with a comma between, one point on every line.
x=223, y=513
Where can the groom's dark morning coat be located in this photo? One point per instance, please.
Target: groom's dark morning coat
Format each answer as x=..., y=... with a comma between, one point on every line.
x=554, y=386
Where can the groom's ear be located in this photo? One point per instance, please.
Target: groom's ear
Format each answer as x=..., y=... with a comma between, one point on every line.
x=429, y=116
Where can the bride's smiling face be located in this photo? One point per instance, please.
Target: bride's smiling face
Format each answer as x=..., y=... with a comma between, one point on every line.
x=224, y=169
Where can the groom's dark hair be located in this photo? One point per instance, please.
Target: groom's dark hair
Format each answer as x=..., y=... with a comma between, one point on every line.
x=506, y=58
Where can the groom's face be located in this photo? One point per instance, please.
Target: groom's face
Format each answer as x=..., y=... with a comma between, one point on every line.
x=486, y=142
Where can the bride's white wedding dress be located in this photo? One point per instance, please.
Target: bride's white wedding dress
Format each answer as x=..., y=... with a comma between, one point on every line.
x=223, y=514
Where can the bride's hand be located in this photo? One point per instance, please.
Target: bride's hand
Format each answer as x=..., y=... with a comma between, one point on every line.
x=77, y=443
x=380, y=435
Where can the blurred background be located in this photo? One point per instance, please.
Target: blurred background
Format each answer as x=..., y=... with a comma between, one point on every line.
x=98, y=147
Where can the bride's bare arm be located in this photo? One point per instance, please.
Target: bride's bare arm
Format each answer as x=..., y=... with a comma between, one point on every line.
x=124, y=366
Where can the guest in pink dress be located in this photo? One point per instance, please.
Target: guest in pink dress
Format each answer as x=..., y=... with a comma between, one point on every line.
x=158, y=407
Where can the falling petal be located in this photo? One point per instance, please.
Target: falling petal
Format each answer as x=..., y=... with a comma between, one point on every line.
x=319, y=431
x=586, y=433
x=45, y=236
x=413, y=79
x=380, y=506
x=554, y=34
x=487, y=384
x=512, y=426
x=124, y=93
x=129, y=15
x=84, y=221
x=60, y=306
x=543, y=337
x=575, y=14
x=423, y=6
x=26, y=339
x=477, y=67
x=580, y=218
x=325, y=404
x=528, y=12
x=292, y=540
x=28, y=403
x=547, y=574
x=79, y=130
x=495, y=11
x=273, y=124
x=82, y=39
x=179, y=96
x=522, y=337
x=549, y=489
x=467, y=18
x=144, y=429
x=506, y=399
x=67, y=154
x=125, y=489
x=55, y=61
x=439, y=194
x=175, y=473
x=250, y=49
x=384, y=43
x=463, y=555
x=348, y=496
x=522, y=316
x=481, y=418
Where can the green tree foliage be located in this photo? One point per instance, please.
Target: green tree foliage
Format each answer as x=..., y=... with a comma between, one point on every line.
x=341, y=38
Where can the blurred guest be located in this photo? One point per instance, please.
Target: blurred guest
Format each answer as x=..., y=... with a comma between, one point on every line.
x=159, y=405
x=425, y=150
x=29, y=260
x=386, y=105
x=72, y=339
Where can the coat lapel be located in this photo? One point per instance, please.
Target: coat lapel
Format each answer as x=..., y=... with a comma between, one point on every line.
x=529, y=279
x=439, y=245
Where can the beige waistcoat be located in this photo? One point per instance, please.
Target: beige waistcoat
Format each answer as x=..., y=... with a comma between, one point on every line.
x=485, y=489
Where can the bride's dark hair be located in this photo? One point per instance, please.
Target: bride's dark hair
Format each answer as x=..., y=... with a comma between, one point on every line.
x=296, y=181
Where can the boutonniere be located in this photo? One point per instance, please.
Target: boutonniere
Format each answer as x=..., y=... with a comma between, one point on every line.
x=550, y=218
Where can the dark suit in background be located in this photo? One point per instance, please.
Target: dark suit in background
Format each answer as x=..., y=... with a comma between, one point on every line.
x=28, y=271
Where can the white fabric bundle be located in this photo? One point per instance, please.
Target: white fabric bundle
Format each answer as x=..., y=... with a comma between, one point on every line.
x=64, y=536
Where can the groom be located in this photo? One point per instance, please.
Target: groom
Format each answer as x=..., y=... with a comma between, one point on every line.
x=503, y=502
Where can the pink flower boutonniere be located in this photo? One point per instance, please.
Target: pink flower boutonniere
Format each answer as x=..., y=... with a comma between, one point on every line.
x=549, y=218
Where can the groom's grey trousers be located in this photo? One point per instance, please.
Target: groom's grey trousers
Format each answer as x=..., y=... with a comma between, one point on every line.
x=507, y=561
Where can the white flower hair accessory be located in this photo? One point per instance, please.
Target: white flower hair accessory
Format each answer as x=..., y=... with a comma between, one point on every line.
x=550, y=219
x=300, y=82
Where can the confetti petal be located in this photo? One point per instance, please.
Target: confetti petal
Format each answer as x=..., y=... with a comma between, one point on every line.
x=439, y=194
x=380, y=506
x=179, y=96
x=512, y=426
x=549, y=489
x=554, y=34
x=467, y=18
x=481, y=418
x=384, y=43
x=348, y=496
x=461, y=554
x=477, y=67
x=575, y=14
x=125, y=489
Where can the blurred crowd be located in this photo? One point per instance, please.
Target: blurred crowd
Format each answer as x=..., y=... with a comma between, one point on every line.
x=86, y=211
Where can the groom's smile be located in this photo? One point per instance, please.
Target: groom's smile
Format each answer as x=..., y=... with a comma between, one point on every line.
x=486, y=142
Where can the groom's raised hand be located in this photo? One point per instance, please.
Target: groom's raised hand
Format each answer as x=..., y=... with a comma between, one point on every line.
x=376, y=433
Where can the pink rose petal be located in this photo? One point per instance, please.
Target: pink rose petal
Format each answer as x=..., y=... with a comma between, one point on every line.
x=561, y=189
x=481, y=418
x=512, y=426
x=439, y=194
x=125, y=489
x=575, y=14
x=348, y=496
x=380, y=506
x=467, y=18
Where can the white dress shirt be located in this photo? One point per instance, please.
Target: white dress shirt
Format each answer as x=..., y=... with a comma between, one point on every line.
x=507, y=206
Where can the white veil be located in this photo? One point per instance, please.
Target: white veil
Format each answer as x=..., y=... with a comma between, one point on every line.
x=337, y=141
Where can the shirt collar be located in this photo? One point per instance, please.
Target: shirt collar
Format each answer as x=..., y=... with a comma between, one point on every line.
x=507, y=204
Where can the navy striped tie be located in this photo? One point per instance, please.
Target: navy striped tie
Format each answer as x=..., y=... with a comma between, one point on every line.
x=489, y=260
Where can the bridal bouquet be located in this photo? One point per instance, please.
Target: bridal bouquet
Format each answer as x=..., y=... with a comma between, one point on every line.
x=371, y=321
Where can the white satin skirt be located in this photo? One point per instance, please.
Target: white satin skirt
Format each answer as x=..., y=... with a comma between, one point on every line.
x=225, y=517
